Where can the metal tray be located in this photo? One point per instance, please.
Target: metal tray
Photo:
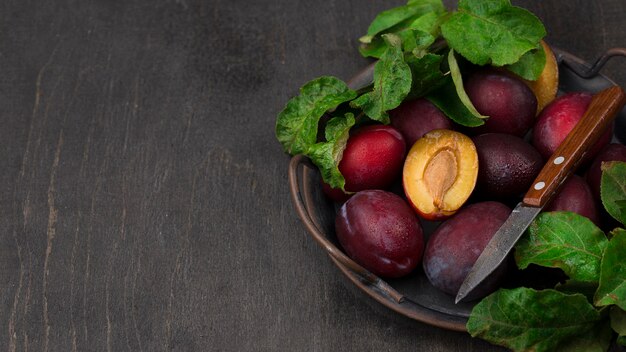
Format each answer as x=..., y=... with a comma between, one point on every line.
x=413, y=296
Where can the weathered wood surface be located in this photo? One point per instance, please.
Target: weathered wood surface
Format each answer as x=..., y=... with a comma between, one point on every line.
x=143, y=198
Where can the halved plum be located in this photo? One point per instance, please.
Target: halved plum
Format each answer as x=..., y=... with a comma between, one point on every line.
x=440, y=173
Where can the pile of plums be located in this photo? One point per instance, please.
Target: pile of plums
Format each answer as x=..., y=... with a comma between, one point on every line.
x=464, y=178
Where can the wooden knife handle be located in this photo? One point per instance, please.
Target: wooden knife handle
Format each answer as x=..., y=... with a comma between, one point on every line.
x=603, y=108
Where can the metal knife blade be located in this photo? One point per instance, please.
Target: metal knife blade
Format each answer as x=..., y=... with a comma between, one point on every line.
x=499, y=247
x=602, y=110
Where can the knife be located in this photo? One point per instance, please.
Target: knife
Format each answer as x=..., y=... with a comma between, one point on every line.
x=603, y=108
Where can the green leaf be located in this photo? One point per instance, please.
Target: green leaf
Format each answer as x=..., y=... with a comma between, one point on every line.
x=524, y=319
x=618, y=324
x=615, y=232
x=421, y=16
x=387, y=19
x=530, y=65
x=421, y=34
x=392, y=82
x=428, y=22
x=612, y=289
x=563, y=240
x=621, y=208
x=596, y=339
x=376, y=48
x=415, y=40
x=297, y=124
x=327, y=155
x=455, y=72
x=613, y=189
x=447, y=100
x=426, y=74
x=492, y=32
x=435, y=4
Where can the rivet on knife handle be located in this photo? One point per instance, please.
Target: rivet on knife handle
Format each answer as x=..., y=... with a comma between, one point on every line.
x=592, y=125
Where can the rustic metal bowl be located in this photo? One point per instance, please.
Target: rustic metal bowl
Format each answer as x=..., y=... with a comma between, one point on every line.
x=413, y=296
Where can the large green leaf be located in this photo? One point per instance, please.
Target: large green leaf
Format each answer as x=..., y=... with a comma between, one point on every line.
x=435, y=4
x=530, y=65
x=492, y=32
x=426, y=74
x=428, y=22
x=612, y=289
x=391, y=18
x=447, y=100
x=327, y=155
x=613, y=189
x=618, y=324
x=416, y=37
x=392, y=82
x=417, y=23
x=524, y=319
x=596, y=339
x=297, y=124
x=563, y=240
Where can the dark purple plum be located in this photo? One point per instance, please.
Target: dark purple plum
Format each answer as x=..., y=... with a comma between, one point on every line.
x=453, y=248
x=417, y=117
x=380, y=231
x=507, y=165
x=509, y=103
x=575, y=196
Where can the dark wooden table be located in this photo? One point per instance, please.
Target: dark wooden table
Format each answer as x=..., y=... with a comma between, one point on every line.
x=143, y=197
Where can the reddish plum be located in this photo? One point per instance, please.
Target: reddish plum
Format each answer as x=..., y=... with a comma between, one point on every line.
x=373, y=158
x=557, y=120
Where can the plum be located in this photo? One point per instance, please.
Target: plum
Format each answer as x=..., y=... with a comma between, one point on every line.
x=373, y=159
x=510, y=104
x=453, y=248
x=417, y=117
x=507, y=165
x=380, y=231
x=575, y=196
x=557, y=120
x=612, y=152
x=440, y=173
